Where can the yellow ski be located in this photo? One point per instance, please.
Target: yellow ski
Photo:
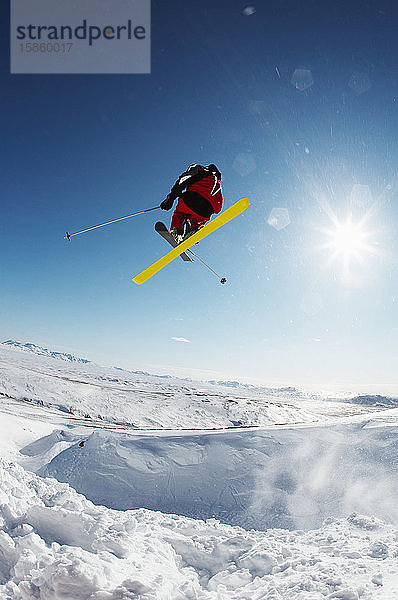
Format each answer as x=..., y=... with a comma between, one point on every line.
x=227, y=215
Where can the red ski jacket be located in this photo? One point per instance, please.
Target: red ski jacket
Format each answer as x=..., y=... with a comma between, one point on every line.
x=209, y=188
x=203, y=189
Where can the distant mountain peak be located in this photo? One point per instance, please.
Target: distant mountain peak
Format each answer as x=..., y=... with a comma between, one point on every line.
x=29, y=347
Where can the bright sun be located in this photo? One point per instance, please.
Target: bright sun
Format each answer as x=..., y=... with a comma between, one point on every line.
x=348, y=240
x=352, y=242
x=349, y=244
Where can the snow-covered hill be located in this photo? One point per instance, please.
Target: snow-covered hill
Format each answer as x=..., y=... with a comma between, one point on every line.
x=40, y=351
x=307, y=464
x=141, y=400
x=375, y=400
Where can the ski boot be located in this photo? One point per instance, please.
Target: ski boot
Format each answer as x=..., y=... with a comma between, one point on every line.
x=190, y=230
x=178, y=234
x=188, y=233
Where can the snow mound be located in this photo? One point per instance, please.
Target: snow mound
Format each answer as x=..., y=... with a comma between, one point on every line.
x=254, y=479
x=40, y=351
x=56, y=545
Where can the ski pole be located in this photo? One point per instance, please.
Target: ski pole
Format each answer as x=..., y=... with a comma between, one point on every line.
x=222, y=279
x=69, y=235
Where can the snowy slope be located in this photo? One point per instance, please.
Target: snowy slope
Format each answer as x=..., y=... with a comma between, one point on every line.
x=308, y=463
x=55, y=544
x=148, y=401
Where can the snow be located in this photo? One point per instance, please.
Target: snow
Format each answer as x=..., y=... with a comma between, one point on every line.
x=176, y=502
x=56, y=544
x=146, y=401
x=44, y=351
x=291, y=478
x=17, y=431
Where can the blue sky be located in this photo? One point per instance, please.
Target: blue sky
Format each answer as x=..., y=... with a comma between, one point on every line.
x=80, y=150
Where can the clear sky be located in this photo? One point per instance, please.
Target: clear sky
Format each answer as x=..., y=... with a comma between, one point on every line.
x=302, y=305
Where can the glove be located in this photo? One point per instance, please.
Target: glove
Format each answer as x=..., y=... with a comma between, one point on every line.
x=167, y=203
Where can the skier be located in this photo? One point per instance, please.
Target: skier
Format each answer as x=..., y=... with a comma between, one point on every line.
x=202, y=198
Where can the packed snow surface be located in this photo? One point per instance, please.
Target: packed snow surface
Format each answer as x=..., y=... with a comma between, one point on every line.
x=303, y=470
x=291, y=478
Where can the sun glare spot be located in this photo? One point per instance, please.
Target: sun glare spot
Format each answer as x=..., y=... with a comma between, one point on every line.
x=348, y=239
x=349, y=244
